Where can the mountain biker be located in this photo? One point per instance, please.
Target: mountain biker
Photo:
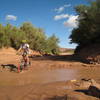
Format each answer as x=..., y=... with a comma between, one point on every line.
x=24, y=50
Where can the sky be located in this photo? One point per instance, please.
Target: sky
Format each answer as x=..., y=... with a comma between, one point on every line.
x=54, y=16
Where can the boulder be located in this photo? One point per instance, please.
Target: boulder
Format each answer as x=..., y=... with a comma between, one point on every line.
x=94, y=91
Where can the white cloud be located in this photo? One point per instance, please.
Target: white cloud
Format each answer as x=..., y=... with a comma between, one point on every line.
x=61, y=9
x=72, y=21
x=11, y=17
x=62, y=16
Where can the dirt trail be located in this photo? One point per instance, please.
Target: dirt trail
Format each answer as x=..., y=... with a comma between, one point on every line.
x=46, y=79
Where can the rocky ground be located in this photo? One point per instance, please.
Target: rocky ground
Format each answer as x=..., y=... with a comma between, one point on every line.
x=91, y=53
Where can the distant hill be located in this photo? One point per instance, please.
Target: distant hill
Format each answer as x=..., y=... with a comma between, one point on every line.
x=65, y=50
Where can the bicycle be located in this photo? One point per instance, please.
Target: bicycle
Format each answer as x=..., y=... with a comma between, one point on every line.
x=24, y=64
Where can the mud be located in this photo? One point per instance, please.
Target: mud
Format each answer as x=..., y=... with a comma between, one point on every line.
x=48, y=78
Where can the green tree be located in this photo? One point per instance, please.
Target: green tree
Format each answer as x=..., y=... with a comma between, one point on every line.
x=4, y=35
x=11, y=36
x=52, y=45
x=16, y=36
x=33, y=35
x=1, y=36
x=88, y=31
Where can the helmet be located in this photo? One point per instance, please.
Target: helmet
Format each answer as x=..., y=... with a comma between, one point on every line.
x=24, y=41
x=27, y=45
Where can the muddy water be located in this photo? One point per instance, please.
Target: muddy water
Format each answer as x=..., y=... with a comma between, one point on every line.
x=37, y=77
x=47, y=76
x=54, y=75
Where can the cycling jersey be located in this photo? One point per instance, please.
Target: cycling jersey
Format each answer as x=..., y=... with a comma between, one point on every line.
x=25, y=49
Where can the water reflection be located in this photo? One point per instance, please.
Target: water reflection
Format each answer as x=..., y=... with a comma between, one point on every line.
x=50, y=76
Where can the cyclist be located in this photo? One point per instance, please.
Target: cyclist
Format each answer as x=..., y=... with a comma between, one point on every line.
x=24, y=51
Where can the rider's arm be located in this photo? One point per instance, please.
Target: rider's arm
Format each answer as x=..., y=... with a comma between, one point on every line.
x=19, y=50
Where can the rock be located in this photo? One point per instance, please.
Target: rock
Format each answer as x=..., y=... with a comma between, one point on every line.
x=79, y=96
x=92, y=87
x=94, y=91
x=89, y=89
x=83, y=83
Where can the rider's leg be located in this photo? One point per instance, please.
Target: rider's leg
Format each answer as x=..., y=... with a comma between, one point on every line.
x=24, y=58
x=27, y=59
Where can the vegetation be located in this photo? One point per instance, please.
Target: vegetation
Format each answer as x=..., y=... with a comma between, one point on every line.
x=11, y=36
x=88, y=30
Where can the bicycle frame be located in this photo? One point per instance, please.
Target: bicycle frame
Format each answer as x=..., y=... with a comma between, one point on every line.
x=23, y=64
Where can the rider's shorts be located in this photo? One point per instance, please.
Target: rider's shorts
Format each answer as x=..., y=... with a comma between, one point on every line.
x=25, y=54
